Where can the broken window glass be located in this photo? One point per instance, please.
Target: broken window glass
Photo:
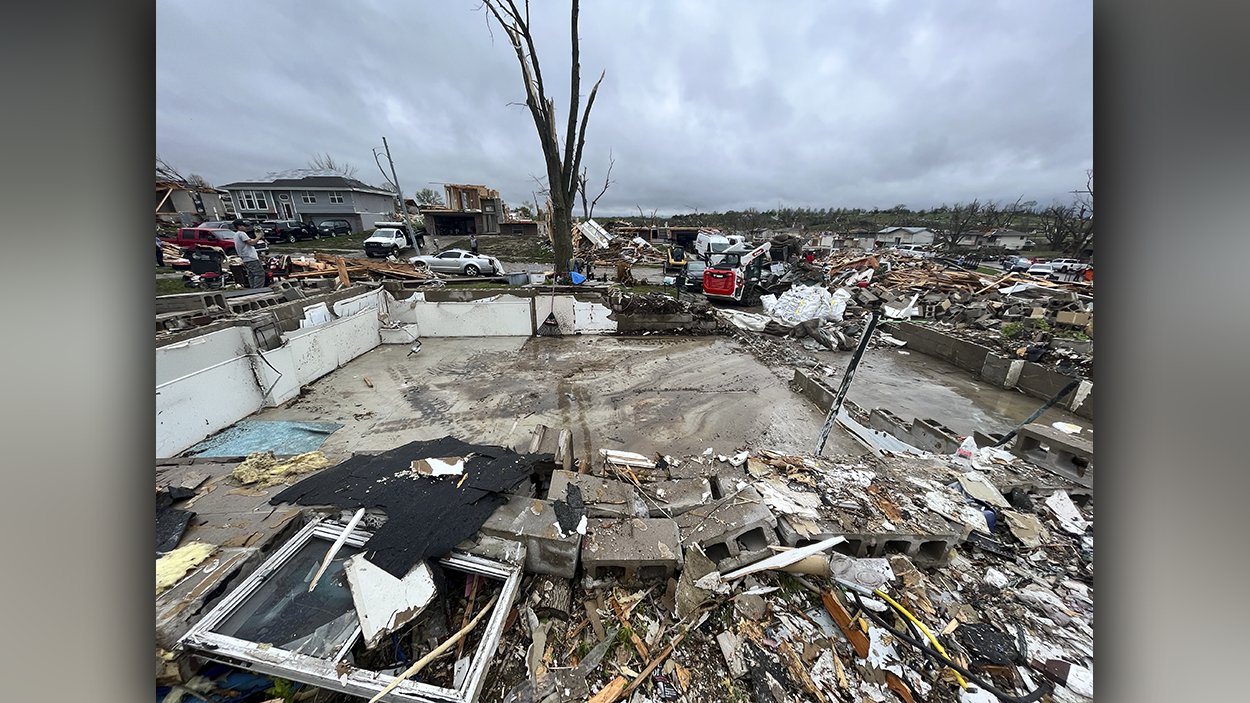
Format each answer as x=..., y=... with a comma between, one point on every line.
x=283, y=613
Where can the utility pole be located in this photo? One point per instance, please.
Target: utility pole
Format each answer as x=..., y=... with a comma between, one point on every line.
x=402, y=205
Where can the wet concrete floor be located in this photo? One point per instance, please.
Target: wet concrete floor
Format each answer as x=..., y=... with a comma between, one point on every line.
x=673, y=395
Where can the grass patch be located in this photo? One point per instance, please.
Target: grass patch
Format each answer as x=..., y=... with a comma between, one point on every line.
x=170, y=286
x=989, y=271
x=1011, y=329
x=346, y=241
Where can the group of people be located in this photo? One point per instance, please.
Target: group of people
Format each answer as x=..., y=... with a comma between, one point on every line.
x=245, y=242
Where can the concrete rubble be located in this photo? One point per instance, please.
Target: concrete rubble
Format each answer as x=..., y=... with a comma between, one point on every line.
x=991, y=555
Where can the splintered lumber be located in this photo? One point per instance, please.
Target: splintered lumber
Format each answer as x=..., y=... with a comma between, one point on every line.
x=386, y=268
x=316, y=273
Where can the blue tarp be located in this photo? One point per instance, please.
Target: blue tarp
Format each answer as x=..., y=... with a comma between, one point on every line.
x=283, y=437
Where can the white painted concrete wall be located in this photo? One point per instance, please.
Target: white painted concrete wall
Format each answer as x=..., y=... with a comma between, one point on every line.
x=208, y=383
x=497, y=316
x=203, y=386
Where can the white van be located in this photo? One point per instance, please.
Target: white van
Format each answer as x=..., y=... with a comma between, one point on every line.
x=710, y=242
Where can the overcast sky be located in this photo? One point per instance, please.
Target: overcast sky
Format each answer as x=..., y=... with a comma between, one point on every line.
x=706, y=104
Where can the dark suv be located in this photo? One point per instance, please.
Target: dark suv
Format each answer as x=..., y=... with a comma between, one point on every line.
x=333, y=228
x=289, y=231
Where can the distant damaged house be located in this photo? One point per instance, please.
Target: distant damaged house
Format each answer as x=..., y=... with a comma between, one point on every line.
x=470, y=209
x=905, y=235
x=313, y=196
x=182, y=203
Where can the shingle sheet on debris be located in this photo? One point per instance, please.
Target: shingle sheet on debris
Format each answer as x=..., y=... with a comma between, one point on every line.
x=426, y=516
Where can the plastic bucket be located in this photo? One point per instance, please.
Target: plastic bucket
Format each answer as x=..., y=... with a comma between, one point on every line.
x=537, y=278
x=517, y=279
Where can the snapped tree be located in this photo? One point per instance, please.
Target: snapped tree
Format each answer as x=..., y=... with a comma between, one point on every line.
x=563, y=159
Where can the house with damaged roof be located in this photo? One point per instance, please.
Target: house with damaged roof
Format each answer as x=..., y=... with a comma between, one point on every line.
x=312, y=196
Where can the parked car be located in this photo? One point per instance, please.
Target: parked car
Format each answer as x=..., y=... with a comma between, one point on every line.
x=217, y=224
x=386, y=241
x=1068, y=265
x=191, y=237
x=333, y=228
x=1043, y=270
x=289, y=231
x=912, y=250
x=455, y=261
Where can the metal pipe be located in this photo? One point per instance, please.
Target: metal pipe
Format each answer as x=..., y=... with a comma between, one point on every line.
x=1038, y=413
x=846, y=380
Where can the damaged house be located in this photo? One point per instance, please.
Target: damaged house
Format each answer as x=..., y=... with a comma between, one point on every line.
x=469, y=209
x=312, y=196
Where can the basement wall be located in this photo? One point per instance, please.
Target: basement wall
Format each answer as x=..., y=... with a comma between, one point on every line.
x=206, y=383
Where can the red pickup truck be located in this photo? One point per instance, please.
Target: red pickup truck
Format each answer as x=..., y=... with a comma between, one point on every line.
x=190, y=237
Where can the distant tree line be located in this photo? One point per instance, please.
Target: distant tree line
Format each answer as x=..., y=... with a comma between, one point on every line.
x=1066, y=226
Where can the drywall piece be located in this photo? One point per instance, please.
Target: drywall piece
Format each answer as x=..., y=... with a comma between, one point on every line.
x=785, y=558
x=621, y=458
x=317, y=314
x=1066, y=512
x=384, y=603
x=978, y=486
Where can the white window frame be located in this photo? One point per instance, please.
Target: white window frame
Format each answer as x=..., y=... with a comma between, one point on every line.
x=336, y=196
x=254, y=200
x=308, y=197
x=322, y=673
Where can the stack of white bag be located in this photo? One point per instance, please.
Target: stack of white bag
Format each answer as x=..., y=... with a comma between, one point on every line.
x=803, y=303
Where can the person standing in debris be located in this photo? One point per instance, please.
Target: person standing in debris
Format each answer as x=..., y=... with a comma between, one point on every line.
x=245, y=248
x=473, y=244
x=160, y=253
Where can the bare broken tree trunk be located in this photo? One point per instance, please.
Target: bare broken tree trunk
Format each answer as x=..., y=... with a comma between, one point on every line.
x=563, y=160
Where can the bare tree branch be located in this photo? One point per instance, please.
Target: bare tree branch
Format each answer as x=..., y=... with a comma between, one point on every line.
x=563, y=158
x=325, y=162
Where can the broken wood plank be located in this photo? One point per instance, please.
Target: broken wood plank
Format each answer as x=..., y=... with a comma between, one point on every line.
x=854, y=635
x=611, y=692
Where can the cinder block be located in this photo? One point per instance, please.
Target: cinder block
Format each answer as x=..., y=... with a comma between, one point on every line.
x=1070, y=456
x=1075, y=319
x=548, y=550
x=883, y=420
x=734, y=531
x=729, y=481
x=604, y=497
x=933, y=436
x=677, y=496
x=632, y=552
x=927, y=549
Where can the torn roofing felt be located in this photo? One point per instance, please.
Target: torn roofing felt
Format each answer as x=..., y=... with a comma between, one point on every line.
x=425, y=515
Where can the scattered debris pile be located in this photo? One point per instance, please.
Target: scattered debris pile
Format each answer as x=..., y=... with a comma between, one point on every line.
x=327, y=265
x=493, y=576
